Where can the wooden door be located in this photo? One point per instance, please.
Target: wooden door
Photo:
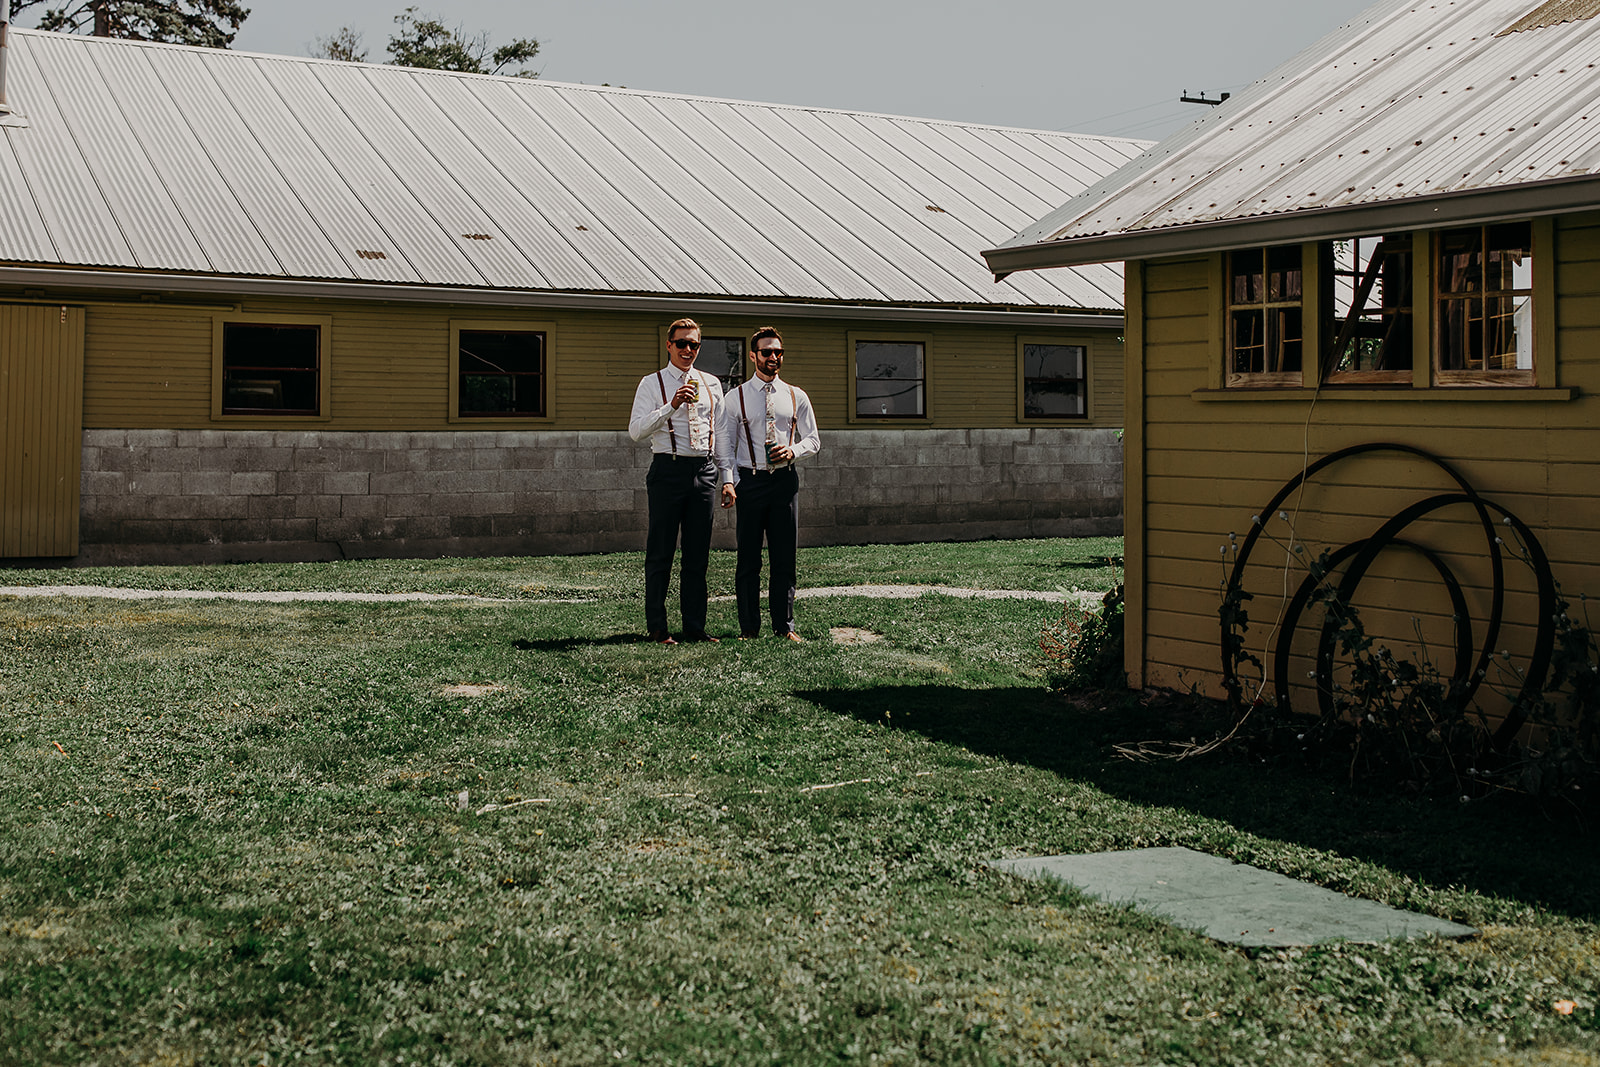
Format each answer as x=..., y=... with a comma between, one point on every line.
x=41, y=429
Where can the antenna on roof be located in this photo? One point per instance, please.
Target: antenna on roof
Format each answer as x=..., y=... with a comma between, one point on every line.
x=1185, y=98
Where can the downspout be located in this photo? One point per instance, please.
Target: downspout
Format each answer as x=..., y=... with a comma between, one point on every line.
x=5, y=46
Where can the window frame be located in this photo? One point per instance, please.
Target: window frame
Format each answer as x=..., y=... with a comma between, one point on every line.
x=457, y=327
x=1265, y=379
x=743, y=364
x=1084, y=342
x=1328, y=324
x=853, y=338
x=1425, y=376
x=1515, y=378
x=219, y=366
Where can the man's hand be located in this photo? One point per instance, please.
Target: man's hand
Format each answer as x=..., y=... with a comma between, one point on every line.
x=728, y=495
x=685, y=395
x=779, y=454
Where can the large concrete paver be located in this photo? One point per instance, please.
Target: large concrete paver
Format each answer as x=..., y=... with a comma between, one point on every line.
x=1230, y=902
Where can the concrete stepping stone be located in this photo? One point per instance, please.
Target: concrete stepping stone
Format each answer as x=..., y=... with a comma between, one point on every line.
x=1230, y=902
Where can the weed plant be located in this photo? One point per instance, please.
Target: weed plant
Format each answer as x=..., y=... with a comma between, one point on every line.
x=271, y=832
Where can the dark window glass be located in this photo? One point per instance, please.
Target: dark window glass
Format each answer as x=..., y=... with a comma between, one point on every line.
x=1371, y=324
x=723, y=357
x=502, y=373
x=1265, y=331
x=889, y=379
x=1486, y=299
x=270, y=370
x=1053, y=382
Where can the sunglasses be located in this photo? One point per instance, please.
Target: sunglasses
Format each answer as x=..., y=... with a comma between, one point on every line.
x=680, y=343
x=769, y=351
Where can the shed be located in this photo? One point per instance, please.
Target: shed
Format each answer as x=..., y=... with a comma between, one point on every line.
x=1376, y=270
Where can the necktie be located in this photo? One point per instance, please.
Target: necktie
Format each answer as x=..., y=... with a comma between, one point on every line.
x=772, y=422
x=697, y=430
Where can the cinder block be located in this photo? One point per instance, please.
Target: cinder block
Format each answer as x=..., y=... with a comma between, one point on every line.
x=153, y=438
x=363, y=507
x=254, y=483
x=101, y=483
x=155, y=483
x=314, y=459
x=428, y=526
x=220, y=507
x=145, y=531
x=490, y=458
x=270, y=507
x=364, y=460
x=206, y=483
x=385, y=441
x=129, y=459
x=346, y=483
x=470, y=526
x=317, y=507
x=247, y=439
x=397, y=483
x=298, y=483
x=201, y=438
x=105, y=438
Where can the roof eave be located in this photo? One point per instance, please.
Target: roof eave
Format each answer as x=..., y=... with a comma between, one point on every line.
x=138, y=285
x=1472, y=207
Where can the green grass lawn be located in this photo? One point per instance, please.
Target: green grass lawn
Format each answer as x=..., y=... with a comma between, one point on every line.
x=232, y=833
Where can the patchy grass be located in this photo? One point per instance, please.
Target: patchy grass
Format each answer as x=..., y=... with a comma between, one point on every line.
x=250, y=845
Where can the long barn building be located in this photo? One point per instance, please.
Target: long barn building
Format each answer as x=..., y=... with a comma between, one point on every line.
x=260, y=307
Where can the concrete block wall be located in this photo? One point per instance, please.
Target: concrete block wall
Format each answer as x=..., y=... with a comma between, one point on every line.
x=160, y=496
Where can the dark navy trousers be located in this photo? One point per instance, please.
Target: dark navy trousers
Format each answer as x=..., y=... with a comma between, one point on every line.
x=769, y=508
x=682, y=493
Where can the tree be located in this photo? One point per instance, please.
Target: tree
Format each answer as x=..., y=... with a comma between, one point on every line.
x=208, y=23
x=345, y=44
x=425, y=41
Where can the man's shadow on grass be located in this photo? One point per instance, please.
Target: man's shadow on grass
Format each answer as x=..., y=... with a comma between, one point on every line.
x=1508, y=850
x=567, y=644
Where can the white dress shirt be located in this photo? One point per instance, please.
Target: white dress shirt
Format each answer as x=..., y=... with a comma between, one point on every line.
x=686, y=431
x=745, y=411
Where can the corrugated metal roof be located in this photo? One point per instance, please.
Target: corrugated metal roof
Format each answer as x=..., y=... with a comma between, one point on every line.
x=164, y=158
x=1409, y=100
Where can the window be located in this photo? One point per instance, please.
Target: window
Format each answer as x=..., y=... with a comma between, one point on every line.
x=1265, y=335
x=723, y=357
x=890, y=378
x=501, y=373
x=500, y=370
x=271, y=368
x=1054, y=380
x=1484, y=322
x=1368, y=334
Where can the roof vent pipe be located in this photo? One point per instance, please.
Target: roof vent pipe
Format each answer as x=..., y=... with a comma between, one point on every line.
x=5, y=46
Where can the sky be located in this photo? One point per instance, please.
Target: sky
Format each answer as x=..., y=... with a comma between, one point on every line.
x=1104, y=67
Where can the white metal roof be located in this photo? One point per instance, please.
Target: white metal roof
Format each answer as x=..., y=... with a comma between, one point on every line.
x=1413, y=99
x=159, y=158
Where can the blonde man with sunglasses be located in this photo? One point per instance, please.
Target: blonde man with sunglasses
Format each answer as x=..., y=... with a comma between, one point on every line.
x=676, y=408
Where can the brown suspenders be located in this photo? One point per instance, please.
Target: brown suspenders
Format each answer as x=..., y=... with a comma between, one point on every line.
x=744, y=412
x=711, y=434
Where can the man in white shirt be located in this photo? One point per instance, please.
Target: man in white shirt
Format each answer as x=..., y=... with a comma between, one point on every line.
x=677, y=408
x=766, y=425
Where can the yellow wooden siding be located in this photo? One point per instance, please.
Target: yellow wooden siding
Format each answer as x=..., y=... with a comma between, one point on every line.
x=41, y=429
x=150, y=367
x=1210, y=465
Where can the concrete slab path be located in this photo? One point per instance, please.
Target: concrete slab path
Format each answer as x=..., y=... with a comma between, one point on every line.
x=878, y=592
x=1230, y=902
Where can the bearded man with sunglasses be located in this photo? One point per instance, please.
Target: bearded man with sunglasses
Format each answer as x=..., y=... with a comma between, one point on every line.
x=676, y=408
x=767, y=424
